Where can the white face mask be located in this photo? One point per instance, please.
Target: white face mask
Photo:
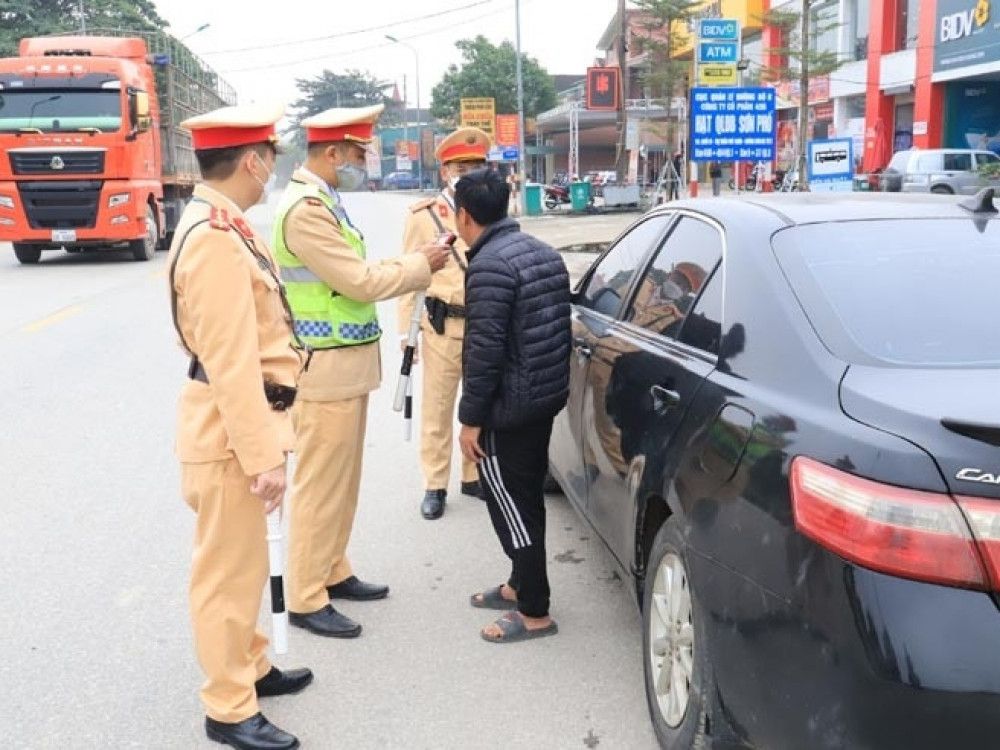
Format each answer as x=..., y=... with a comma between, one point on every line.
x=351, y=178
x=259, y=181
x=453, y=182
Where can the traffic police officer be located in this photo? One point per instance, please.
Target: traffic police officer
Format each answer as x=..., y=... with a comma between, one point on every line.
x=442, y=325
x=332, y=289
x=233, y=430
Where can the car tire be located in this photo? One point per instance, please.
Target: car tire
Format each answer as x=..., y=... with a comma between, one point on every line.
x=942, y=190
x=27, y=254
x=679, y=719
x=145, y=248
x=551, y=203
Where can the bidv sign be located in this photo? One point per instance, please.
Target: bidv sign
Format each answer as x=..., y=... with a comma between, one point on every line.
x=960, y=25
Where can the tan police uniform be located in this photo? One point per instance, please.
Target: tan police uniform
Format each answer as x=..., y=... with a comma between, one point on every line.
x=230, y=314
x=441, y=353
x=331, y=409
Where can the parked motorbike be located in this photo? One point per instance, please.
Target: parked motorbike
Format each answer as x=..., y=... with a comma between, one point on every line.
x=555, y=195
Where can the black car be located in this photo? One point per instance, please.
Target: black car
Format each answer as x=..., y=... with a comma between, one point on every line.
x=784, y=424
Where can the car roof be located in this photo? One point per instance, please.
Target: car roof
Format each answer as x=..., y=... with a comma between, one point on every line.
x=809, y=208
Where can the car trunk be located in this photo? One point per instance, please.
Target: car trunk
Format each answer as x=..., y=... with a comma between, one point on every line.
x=953, y=414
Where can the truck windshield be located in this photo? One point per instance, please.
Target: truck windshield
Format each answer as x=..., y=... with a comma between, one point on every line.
x=60, y=110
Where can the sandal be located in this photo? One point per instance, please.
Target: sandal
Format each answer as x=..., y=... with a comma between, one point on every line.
x=514, y=630
x=492, y=599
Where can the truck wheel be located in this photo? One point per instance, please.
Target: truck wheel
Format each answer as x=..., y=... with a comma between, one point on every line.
x=145, y=248
x=27, y=254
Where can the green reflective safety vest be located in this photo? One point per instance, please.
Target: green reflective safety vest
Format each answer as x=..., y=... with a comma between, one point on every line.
x=324, y=319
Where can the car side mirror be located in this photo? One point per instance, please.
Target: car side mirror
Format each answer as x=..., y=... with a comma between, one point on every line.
x=143, y=117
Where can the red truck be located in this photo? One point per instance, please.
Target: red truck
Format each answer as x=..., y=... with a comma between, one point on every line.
x=91, y=152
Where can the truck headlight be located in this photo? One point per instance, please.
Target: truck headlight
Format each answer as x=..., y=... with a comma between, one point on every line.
x=119, y=199
x=6, y=201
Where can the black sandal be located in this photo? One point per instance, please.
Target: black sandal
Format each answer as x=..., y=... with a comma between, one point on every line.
x=492, y=599
x=513, y=628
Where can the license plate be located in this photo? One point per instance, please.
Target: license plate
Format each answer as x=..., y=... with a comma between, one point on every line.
x=64, y=235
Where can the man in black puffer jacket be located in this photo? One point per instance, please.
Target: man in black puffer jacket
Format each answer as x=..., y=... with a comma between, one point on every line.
x=515, y=379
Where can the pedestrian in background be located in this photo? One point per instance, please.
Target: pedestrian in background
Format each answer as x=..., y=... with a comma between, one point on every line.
x=332, y=289
x=515, y=380
x=234, y=431
x=715, y=173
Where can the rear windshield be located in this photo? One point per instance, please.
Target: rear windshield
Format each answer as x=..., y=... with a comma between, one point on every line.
x=922, y=292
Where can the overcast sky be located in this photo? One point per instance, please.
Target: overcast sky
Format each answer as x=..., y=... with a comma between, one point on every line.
x=263, y=51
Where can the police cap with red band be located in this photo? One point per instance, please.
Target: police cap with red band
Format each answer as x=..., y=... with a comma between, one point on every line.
x=241, y=125
x=351, y=124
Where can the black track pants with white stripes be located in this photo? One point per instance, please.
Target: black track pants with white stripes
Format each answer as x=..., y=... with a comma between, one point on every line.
x=513, y=477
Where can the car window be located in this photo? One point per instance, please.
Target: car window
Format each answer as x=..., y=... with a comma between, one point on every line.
x=677, y=274
x=985, y=157
x=929, y=163
x=958, y=162
x=917, y=293
x=613, y=275
x=703, y=327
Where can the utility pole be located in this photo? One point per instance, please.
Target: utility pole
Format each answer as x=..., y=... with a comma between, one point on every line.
x=521, y=169
x=83, y=20
x=406, y=122
x=804, y=97
x=621, y=167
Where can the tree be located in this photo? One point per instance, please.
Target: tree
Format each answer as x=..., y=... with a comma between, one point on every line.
x=488, y=70
x=658, y=33
x=24, y=18
x=353, y=88
x=802, y=60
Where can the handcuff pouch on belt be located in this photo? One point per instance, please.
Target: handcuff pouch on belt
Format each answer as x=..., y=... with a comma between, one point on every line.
x=280, y=397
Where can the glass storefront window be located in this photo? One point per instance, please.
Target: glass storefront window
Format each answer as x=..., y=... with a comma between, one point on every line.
x=825, y=30
x=859, y=20
x=908, y=26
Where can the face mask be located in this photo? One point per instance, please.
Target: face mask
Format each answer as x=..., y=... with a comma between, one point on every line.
x=259, y=181
x=351, y=178
x=453, y=182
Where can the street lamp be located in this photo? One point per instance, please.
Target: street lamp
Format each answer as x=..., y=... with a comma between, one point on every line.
x=196, y=31
x=420, y=127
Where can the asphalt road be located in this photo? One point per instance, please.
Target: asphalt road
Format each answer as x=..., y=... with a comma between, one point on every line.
x=95, y=544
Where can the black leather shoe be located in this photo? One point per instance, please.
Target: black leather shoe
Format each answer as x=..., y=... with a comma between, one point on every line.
x=357, y=591
x=433, y=505
x=327, y=622
x=277, y=682
x=255, y=733
x=472, y=489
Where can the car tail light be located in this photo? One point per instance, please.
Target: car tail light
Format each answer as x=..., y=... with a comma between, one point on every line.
x=907, y=533
x=984, y=519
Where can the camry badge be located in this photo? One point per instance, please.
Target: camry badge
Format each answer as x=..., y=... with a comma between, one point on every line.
x=976, y=475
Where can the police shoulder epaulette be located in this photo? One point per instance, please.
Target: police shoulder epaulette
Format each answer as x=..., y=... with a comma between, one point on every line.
x=218, y=218
x=241, y=226
x=426, y=203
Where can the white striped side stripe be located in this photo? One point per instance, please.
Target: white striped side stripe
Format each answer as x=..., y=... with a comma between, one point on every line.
x=491, y=472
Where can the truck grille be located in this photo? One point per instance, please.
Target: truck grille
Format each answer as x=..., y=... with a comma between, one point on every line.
x=57, y=162
x=61, y=205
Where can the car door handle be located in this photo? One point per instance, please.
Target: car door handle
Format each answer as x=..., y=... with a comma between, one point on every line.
x=664, y=399
x=582, y=350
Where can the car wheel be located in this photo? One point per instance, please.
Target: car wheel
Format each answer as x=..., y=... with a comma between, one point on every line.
x=675, y=661
x=27, y=254
x=550, y=203
x=942, y=190
x=145, y=248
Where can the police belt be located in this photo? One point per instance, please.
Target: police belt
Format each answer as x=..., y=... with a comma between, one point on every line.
x=438, y=310
x=280, y=397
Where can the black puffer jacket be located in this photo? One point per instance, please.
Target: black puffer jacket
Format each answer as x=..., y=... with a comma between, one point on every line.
x=515, y=362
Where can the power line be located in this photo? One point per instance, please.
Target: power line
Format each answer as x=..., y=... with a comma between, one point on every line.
x=359, y=50
x=355, y=32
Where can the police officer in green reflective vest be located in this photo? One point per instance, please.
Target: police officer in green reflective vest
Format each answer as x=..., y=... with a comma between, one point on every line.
x=332, y=289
